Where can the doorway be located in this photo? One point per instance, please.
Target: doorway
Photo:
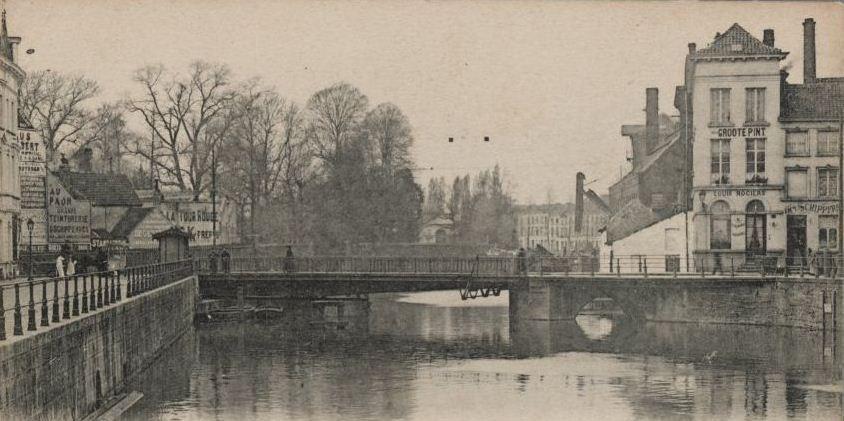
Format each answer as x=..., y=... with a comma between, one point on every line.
x=756, y=229
x=796, y=240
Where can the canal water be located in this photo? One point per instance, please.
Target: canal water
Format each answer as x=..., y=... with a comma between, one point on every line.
x=431, y=356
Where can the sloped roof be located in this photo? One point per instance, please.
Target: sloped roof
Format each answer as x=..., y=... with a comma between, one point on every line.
x=597, y=200
x=632, y=218
x=820, y=100
x=131, y=219
x=171, y=232
x=736, y=42
x=100, y=189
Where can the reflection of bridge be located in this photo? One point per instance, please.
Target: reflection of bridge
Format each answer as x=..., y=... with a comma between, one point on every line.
x=732, y=298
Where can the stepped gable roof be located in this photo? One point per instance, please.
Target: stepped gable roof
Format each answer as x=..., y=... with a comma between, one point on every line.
x=130, y=220
x=822, y=100
x=100, y=189
x=737, y=43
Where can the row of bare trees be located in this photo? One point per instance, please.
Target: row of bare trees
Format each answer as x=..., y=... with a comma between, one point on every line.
x=334, y=172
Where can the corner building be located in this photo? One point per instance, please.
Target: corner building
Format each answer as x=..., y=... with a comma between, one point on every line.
x=765, y=153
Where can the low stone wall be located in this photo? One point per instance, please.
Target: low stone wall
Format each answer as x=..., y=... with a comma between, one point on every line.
x=804, y=303
x=70, y=370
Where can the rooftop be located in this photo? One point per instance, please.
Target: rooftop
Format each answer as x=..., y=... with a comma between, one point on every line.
x=821, y=100
x=737, y=43
x=100, y=189
x=129, y=221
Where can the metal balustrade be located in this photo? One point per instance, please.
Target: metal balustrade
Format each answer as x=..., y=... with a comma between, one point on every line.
x=643, y=266
x=70, y=297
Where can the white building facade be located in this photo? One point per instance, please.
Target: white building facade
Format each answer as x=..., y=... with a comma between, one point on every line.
x=764, y=184
x=10, y=193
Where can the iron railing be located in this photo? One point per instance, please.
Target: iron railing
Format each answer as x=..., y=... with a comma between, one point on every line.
x=72, y=296
x=636, y=265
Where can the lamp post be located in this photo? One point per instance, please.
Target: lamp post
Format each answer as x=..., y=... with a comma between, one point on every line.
x=30, y=325
x=30, y=224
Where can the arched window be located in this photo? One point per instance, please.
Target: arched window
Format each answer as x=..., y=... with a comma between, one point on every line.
x=719, y=230
x=755, y=234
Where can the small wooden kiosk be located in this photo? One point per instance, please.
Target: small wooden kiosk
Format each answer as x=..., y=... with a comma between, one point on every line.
x=172, y=245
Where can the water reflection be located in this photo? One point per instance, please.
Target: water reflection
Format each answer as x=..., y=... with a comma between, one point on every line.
x=415, y=358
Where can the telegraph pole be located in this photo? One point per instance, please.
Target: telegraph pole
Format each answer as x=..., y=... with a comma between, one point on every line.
x=214, y=197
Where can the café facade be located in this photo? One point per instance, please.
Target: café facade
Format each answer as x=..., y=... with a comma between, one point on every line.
x=765, y=154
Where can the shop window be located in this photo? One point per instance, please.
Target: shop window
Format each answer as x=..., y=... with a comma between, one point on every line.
x=719, y=106
x=755, y=105
x=719, y=232
x=755, y=170
x=828, y=143
x=828, y=232
x=797, y=144
x=720, y=169
x=827, y=182
x=797, y=183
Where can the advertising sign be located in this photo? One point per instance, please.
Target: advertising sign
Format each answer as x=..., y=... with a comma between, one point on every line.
x=33, y=170
x=68, y=219
x=141, y=237
x=32, y=148
x=195, y=218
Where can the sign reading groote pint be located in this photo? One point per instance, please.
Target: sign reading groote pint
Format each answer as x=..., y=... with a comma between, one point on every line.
x=727, y=132
x=68, y=219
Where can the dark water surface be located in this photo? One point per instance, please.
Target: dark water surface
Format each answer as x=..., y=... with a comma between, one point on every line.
x=429, y=356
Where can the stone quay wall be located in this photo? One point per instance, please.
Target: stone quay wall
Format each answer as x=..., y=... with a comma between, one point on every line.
x=73, y=369
x=803, y=303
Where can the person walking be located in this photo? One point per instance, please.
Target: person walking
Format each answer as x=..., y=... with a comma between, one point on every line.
x=60, y=266
x=520, y=256
x=288, y=260
x=71, y=266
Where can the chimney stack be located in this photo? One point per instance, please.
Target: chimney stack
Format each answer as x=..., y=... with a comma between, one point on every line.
x=84, y=160
x=651, y=118
x=578, y=203
x=768, y=37
x=809, y=50
x=692, y=48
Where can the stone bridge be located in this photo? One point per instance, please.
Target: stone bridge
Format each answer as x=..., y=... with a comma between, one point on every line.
x=736, y=298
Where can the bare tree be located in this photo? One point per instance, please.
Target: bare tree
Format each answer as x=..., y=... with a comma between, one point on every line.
x=187, y=117
x=54, y=103
x=109, y=138
x=390, y=136
x=334, y=116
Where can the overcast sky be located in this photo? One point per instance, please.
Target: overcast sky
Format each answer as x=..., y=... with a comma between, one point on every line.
x=549, y=82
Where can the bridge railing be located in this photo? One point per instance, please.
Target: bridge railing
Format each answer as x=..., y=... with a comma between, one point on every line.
x=30, y=305
x=635, y=265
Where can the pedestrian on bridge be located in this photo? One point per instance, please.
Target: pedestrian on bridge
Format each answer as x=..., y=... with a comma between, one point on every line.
x=521, y=258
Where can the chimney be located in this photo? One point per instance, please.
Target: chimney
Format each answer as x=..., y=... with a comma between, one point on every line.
x=768, y=37
x=84, y=160
x=578, y=203
x=692, y=48
x=651, y=118
x=809, y=50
